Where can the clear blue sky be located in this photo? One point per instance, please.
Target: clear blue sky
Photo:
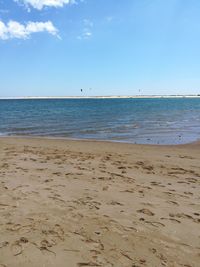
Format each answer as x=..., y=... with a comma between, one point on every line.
x=111, y=46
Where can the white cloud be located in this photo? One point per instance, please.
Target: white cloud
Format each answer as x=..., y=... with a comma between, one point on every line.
x=86, y=34
x=40, y=4
x=87, y=30
x=14, y=29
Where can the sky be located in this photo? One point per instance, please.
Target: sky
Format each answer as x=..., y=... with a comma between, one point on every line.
x=105, y=47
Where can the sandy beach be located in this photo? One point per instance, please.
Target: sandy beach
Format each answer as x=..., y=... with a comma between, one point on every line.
x=87, y=203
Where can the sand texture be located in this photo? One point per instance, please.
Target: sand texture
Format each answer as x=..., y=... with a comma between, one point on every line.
x=84, y=203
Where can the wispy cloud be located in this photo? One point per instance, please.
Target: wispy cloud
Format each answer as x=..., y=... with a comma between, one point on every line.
x=40, y=4
x=87, y=29
x=14, y=29
x=109, y=18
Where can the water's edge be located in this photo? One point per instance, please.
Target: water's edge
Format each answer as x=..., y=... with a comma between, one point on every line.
x=29, y=137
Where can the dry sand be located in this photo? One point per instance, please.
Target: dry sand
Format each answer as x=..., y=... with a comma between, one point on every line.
x=85, y=203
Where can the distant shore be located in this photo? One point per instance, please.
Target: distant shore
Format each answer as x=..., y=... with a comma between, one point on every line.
x=102, y=97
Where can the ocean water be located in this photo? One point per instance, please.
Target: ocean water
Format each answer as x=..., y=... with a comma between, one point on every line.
x=144, y=121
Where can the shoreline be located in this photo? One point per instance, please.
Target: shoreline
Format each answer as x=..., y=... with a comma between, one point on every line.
x=196, y=142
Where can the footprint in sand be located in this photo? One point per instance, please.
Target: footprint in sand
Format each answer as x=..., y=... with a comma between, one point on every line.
x=185, y=216
x=191, y=180
x=146, y=212
x=89, y=264
x=173, y=202
x=115, y=203
x=105, y=188
x=48, y=180
x=4, y=244
x=171, y=219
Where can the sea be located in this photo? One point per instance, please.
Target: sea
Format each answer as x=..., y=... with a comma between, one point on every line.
x=141, y=121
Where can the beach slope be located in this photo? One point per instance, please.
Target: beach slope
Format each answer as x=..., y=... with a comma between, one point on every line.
x=87, y=203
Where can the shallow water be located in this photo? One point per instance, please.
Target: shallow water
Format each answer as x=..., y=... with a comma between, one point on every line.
x=148, y=121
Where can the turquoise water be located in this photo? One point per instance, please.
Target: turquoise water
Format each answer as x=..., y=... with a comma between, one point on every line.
x=152, y=121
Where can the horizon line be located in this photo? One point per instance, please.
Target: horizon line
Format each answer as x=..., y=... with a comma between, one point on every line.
x=101, y=97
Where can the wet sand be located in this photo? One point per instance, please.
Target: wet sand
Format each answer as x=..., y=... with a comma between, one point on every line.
x=86, y=203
